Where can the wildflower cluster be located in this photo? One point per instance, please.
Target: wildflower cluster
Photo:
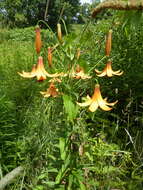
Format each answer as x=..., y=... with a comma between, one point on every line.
x=76, y=72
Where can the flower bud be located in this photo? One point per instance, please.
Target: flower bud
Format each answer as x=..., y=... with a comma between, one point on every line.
x=49, y=57
x=38, y=42
x=59, y=32
x=108, y=43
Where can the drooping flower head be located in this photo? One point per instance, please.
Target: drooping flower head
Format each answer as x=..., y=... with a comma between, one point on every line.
x=51, y=91
x=39, y=71
x=79, y=73
x=97, y=101
x=38, y=41
x=108, y=71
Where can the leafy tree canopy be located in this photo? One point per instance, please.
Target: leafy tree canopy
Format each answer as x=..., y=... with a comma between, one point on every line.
x=27, y=12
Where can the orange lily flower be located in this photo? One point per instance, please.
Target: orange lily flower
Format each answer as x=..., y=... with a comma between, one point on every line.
x=38, y=42
x=39, y=72
x=51, y=91
x=108, y=71
x=79, y=73
x=97, y=101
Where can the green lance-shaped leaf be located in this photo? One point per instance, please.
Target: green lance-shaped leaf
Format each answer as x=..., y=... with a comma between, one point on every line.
x=70, y=108
x=62, y=144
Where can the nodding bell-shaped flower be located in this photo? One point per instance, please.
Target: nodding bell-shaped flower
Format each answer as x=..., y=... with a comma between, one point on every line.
x=38, y=41
x=51, y=91
x=59, y=32
x=97, y=101
x=108, y=71
x=79, y=73
x=38, y=71
x=108, y=44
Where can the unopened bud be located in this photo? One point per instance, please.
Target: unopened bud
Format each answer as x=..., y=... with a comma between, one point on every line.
x=108, y=43
x=49, y=57
x=38, y=42
x=59, y=32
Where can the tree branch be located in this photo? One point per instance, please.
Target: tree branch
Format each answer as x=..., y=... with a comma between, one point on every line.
x=46, y=10
x=118, y=5
x=8, y=178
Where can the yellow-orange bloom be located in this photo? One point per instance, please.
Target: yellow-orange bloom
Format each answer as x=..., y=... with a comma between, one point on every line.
x=38, y=41
x=50, y=56
x=51, y=91
x=108, y=44
x=39, y=72
x=79, y=73
x=97, y=101
x=108, y=71
x=59, y=32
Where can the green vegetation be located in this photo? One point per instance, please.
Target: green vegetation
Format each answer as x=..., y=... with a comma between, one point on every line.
x=60, y=145
x=27, y=13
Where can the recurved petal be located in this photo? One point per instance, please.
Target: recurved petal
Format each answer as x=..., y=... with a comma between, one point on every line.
x=103, y=105
x=118, y=72
x=55, y=74
x=86, y=103
x=97, y=71
x=112, y=103
x=102, y=74
x=26, y=74
x=93, y=107
x=45, y=94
